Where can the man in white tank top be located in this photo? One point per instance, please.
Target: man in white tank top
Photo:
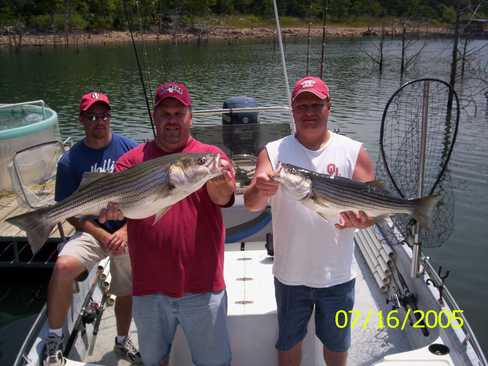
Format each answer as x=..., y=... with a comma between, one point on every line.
x=313, y=263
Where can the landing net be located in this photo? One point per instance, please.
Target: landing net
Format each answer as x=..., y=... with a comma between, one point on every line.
x=418, y=132
x=33, y=173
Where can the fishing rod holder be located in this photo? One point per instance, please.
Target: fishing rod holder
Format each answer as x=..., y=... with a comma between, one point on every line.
x=439, y=286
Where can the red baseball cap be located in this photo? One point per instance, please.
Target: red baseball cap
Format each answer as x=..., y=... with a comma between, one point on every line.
x=91, y=98
x=175, y=90
x=310, y=84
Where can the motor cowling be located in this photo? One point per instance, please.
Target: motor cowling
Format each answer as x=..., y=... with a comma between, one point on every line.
x=241, y=117
x=240, y=130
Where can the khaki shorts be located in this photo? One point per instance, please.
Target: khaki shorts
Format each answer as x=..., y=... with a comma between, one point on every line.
x=88, y=250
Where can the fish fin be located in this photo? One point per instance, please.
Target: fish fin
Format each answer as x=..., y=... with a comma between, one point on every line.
x=35, y=225
x=89, y=177
x=424, y=209
x=159, y=214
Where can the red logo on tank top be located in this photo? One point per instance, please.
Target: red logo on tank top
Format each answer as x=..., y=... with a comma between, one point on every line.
x=332, y=170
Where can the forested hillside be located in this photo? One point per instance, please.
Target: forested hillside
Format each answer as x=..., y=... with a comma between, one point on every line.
x=97, y=15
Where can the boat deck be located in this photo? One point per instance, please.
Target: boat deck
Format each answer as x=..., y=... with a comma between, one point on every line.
x=252, y=318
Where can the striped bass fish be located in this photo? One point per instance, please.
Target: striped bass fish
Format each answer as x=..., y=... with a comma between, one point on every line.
x=147, y=189
x=329, y=195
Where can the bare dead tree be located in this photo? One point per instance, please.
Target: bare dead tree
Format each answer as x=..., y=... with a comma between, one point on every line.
x=67, y=22
x=324, y=38
x=465, y=57
x=467, y=53
x=377, y=57
x=410, y=49
x=15, y=35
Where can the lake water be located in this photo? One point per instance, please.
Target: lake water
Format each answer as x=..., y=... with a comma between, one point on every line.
x=217, y=71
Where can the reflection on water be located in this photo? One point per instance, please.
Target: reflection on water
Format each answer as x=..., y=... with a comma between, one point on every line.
x=219, y=71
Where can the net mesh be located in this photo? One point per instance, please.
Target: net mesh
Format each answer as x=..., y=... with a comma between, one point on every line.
x=403, y=138
x=33, y=173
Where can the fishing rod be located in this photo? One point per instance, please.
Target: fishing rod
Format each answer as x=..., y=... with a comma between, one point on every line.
x=324, y=36
x=141, y=76
x=283, y=62
x=209, y=112
x=144, y=51
x=308, y=50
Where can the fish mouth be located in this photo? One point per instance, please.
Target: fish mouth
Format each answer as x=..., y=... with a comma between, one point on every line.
x=280, y=171
x=291, y=178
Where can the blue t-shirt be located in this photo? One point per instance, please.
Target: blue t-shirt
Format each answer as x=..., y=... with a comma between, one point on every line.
x=80, y=159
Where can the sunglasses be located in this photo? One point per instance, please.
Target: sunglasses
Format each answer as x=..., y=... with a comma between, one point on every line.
x=94, y=117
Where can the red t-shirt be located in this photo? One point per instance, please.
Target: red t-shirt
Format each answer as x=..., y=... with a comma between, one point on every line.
x=184, y=251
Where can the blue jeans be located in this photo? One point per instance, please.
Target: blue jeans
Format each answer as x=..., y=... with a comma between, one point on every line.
x=295, y=305
x=202, y=318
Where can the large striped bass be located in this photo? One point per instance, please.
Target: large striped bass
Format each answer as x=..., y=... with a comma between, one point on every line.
x=147, y=189
x=329, y=195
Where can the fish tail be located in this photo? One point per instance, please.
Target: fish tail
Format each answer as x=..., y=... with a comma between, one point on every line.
x=424, y=209
x=36, y=225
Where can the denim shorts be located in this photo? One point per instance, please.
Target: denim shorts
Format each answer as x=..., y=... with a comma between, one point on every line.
x=203, y=321
x=295, y=306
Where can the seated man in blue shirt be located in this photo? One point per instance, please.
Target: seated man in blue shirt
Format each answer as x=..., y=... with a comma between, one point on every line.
x=92, y=242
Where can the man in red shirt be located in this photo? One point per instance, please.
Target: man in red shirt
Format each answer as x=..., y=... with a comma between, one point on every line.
x=177, y=263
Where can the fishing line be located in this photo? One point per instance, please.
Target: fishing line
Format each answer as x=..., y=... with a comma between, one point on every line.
x=141, y=76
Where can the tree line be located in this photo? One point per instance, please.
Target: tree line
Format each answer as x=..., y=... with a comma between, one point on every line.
x=96, y=15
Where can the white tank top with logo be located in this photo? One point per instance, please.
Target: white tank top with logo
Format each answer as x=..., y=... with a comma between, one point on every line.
x=309, y=250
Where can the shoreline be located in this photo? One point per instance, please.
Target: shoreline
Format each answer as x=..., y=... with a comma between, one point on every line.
x=215, y=33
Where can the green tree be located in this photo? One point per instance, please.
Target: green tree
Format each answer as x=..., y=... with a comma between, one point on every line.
x=223, y=7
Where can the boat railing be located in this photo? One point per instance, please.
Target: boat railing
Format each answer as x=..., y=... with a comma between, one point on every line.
x=465, y=333
x=21, y=358
x=32, y=102
x=207, y=112
x=470, y=337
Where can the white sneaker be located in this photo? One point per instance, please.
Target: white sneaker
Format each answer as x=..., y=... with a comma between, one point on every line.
x=128, y=351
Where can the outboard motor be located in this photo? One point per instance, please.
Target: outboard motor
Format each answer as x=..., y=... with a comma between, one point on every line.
x=240, y=130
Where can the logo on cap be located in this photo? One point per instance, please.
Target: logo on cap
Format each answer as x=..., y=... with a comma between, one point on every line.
x=171, y=89
x=308, y=83
x=175, y=90
x=311, y=84
x=90, y=98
